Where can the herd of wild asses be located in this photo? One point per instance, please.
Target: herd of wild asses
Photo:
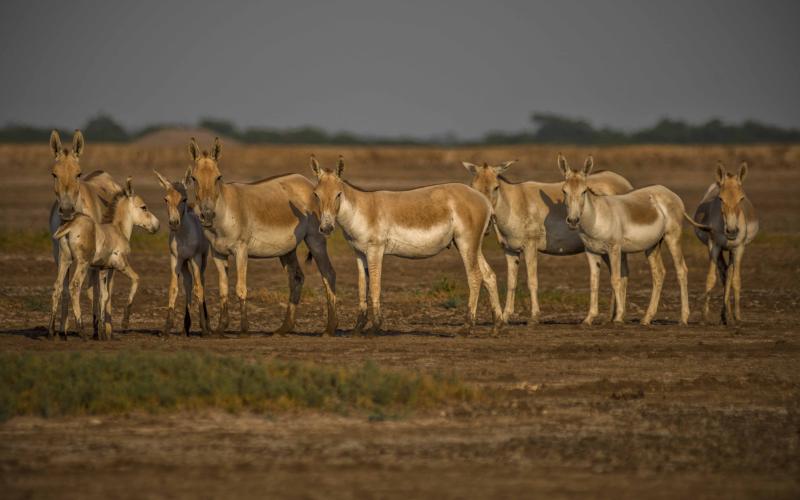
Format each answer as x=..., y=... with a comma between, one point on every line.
x=600, y=214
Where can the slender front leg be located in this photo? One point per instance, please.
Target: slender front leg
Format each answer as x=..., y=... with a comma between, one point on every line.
x=108, y=328
x=221, y=263
x=131, y=274
x=615, y=259
x=594, y=286
x=657, y=272
x=188, y=290
x=512, y=264
x=241, y=286
x=681, y=270
x=531, y=266
x=62, y=280
x=75, y=294
x=363, y=283
x=172, y=294
x=96, y=301
x=738, y=253
x=199, y=292
x=490, y=283
x=296, y=279
x=319, y=250
x=101, y=297
x=711, y=277
x=375, y=266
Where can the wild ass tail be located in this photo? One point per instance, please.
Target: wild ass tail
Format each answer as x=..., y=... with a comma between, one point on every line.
x=696, y=224
x=62, y=230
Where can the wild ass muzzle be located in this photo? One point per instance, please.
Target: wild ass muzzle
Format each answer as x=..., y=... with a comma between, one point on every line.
x=728, y=223
x=76, y=193
x=103, y=246
x=266, y=218
x=530, y=217
x=415, y=224
x=188, y=254
x=616, y=225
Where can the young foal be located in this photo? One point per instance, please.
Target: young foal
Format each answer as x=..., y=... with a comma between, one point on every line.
x=415, y=224
x=530, y=217
x=266, y=218
x=102, y=246
x=628, y=223
x=731, y=224
x=188, y=253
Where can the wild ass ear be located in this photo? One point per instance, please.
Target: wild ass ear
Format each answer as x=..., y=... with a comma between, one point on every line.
x=162, y=180
x=588, y=165
x=315, y=166
x=504, y=166
x=55, y=143
x=129, y=186
x=340, y=166
x=471, y=167
x=742, y=171
x=77, y=144
x=194, y=149
x=563, y=165
x=187, y=177
x=215, y=152
x=720, y=172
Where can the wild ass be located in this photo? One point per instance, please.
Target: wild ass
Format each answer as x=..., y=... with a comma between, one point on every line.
x=266, y=218
x=530, y=217
x=75, y=193
x=730, y=224
x=616, y=225
x=415, y=224
x=188, y=253
x=105, y=246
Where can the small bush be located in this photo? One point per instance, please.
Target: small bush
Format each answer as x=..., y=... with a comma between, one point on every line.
x=60, y=384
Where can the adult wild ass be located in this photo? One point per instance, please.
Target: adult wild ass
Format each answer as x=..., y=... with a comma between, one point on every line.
x=188, y=253
x=266, y=218
x=730, y=223
x=415, y=224
x=105, y=246
x=616, y=225
x=530, y=217
x=75, y=193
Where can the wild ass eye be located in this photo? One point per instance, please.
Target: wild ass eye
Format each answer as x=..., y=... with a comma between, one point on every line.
x=338, y=195
x=79, y=175
x=54, y=175
x=144, y=208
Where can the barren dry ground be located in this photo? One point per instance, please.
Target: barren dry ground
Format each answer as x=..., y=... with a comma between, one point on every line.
x=662, y=411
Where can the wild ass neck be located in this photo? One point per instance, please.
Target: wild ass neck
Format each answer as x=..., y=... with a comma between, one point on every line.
x=122, y=218
x=588, y=222
x=349, y=207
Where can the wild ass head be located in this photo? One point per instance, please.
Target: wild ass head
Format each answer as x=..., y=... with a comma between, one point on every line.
x=128, y=209
x=66, y=173
x=731, y=194
x=485, y=178
x=328, y=194
x=175, y=197
x=575, y=189
x=207, y=179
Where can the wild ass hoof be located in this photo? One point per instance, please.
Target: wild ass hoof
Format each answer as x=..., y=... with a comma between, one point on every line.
x=588, y=321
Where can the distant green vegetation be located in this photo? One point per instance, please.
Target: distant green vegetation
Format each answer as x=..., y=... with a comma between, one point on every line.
x=61, y=384
x=548, y=128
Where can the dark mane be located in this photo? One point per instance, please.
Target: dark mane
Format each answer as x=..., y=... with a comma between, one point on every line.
x=350, y=184
x=93, y=175
x=108, y=216
x=265, y=180
x=505, y=179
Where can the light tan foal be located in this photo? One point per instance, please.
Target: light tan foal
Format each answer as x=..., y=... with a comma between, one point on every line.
x=530, y=217
x=102, y=246
x=415, y=224
x=76, y=193
x=628, y=223
x=731, y=225
x=188, y=254
x=266, y=218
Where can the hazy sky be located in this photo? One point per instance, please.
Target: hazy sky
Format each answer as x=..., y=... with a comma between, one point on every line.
x=416, y=68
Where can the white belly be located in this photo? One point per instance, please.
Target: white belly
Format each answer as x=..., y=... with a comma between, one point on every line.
x=416, y=243
x=638, y=238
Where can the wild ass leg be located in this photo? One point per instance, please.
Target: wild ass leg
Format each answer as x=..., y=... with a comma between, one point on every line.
x=674, y=244
x=512, y=264
x=490, y=283
x=531, y=266
x=241, y=286
x=615, y=259
x=131, y=274
x=468, y=253
x=363, y=283
x=96, y=301
x=101, y=297
x=188, y=289
x=594, y=286
x=108, y=326
x=172, y=295
x=711, y=277
x=375, y=267
x=727, y=310
x=62, y=280
x=199, y=292
x=221, y=263
x=75, y=287
x=296, y=279
x=319, y=251
x=738, y=253
x=657, y=272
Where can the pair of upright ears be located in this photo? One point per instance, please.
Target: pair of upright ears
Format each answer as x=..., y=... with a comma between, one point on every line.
x=58, y=150
x=722, y=172
x=166, y=184
x=588, y=164
x=195, y=152
x=498, y=169
x=319, y=170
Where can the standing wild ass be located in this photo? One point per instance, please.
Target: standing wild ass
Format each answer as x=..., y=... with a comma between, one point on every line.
x=188, y=253
x=266, y=218
x=530, y=217
x=415, y=224
x=75, y=193
x=616, y=225
x=730, y=223
x=105, y=246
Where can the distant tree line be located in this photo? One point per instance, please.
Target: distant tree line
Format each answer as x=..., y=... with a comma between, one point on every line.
x=548, y=128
